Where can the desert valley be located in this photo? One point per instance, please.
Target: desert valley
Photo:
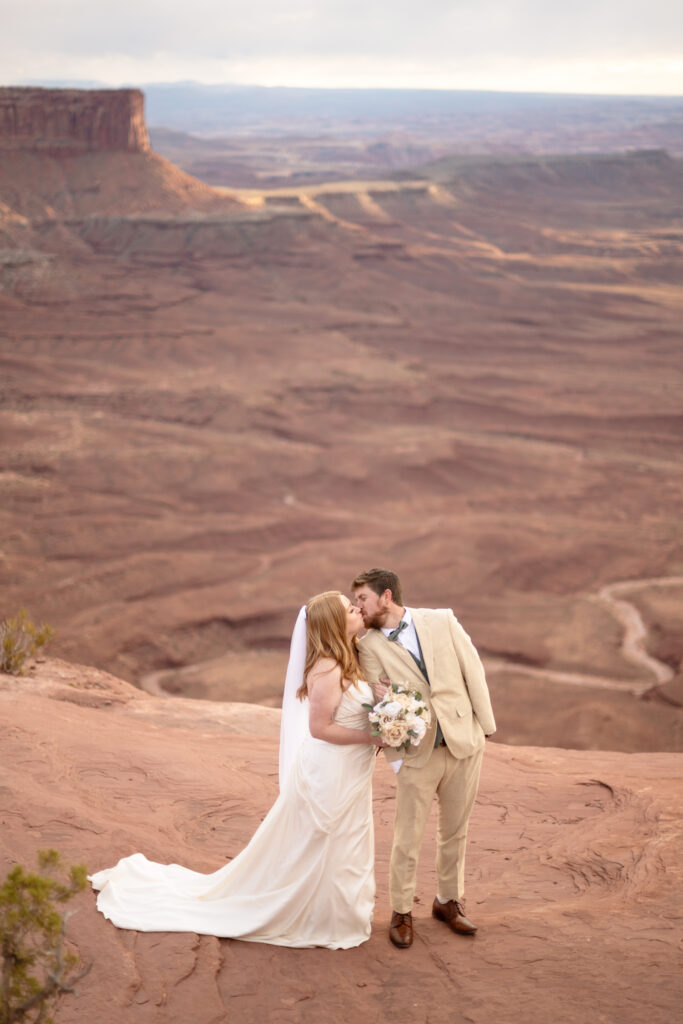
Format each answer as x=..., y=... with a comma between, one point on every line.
x=219, y=399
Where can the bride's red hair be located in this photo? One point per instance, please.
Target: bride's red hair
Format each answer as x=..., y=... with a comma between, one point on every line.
x=326, y=637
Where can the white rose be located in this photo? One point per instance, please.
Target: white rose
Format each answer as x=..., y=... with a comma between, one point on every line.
x=419, y=727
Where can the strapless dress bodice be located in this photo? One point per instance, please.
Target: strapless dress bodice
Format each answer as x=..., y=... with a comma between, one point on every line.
x=351, y=713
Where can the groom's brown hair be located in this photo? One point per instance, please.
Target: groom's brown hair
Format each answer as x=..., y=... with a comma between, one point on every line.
x=380, y=580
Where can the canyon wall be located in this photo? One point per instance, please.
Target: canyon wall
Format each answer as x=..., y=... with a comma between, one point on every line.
x=72, y=120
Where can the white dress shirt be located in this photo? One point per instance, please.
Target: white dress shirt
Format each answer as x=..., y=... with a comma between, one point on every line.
x=407, y=637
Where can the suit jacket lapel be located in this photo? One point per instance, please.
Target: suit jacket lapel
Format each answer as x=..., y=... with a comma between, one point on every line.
x=425, y=638
x=399, y=651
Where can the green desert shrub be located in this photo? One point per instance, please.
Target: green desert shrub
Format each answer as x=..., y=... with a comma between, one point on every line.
x=20, y=639
x=35, y=967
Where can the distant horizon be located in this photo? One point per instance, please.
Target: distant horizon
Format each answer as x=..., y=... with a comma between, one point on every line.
x=587, y=48
x=74, y=83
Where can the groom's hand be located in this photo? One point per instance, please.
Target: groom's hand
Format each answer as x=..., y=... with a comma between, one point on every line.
x=381, y=688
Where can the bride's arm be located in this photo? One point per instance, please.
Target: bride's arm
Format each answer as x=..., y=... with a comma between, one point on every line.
x=324, y=694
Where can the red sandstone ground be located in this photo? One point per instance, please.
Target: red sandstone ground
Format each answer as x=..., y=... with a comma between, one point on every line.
x=215, y=404
x=574, y=870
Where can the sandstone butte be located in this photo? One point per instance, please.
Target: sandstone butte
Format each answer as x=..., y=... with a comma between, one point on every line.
x=75, y=120
x=77, y=152
x=574, y=875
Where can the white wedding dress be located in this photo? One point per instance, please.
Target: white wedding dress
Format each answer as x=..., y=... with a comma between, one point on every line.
x=305, y=879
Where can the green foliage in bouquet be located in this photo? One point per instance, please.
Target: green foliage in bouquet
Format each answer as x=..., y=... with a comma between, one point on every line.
x=20, y=639
x=36, y=968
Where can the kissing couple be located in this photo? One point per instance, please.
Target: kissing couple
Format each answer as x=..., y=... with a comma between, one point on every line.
x=306, y=878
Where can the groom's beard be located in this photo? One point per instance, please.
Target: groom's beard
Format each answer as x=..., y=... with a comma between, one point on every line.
x=376, y=621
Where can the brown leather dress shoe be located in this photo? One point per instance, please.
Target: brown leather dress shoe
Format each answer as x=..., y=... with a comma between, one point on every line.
x=401, y=930
x=452, y=914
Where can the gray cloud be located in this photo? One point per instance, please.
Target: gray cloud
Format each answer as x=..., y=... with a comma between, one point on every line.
x=390, y=27
x=462, y=34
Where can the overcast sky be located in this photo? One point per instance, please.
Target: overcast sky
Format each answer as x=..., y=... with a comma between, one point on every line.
x=611, y=46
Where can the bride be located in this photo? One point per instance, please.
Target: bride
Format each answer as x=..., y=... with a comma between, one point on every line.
x=306, y=877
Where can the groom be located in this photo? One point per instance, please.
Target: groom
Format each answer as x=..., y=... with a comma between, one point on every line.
x=430, y=651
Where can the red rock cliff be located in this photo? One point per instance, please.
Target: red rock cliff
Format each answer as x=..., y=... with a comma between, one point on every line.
x=73, y=120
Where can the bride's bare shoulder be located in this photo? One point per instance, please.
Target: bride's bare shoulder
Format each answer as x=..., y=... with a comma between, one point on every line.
x=323, y=667
x=324, y=670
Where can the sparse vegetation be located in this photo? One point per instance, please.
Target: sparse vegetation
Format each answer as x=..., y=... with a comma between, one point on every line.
x=36, y=968
x=20, y=638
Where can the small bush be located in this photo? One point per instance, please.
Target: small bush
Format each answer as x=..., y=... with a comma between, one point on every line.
x=36, y=969
x=20, y=639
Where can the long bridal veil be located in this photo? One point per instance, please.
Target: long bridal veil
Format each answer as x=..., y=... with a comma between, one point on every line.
x=305, y=878
x=294, y=723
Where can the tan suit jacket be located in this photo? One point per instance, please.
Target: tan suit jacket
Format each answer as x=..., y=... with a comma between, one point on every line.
x=457, y=693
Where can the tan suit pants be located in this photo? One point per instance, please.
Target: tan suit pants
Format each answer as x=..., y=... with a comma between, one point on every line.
x=454, y=781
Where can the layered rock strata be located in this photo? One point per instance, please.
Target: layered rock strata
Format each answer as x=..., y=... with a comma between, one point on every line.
x=73, y=120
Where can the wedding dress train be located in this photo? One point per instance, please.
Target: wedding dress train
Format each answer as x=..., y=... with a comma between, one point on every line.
x=306, y=877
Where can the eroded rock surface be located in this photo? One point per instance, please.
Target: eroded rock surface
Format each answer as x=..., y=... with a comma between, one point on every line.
x=574, y=873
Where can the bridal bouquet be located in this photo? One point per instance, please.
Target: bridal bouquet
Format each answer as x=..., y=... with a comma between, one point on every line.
x=401, y=718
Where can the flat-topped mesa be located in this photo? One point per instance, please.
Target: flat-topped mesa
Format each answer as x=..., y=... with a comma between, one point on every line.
x=70, y=121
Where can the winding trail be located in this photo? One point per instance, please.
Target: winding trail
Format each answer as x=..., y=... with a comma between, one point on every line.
x=149, y=683
x=635, y=631
x=633, y=644
x=632, y=648
x=549, y=675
